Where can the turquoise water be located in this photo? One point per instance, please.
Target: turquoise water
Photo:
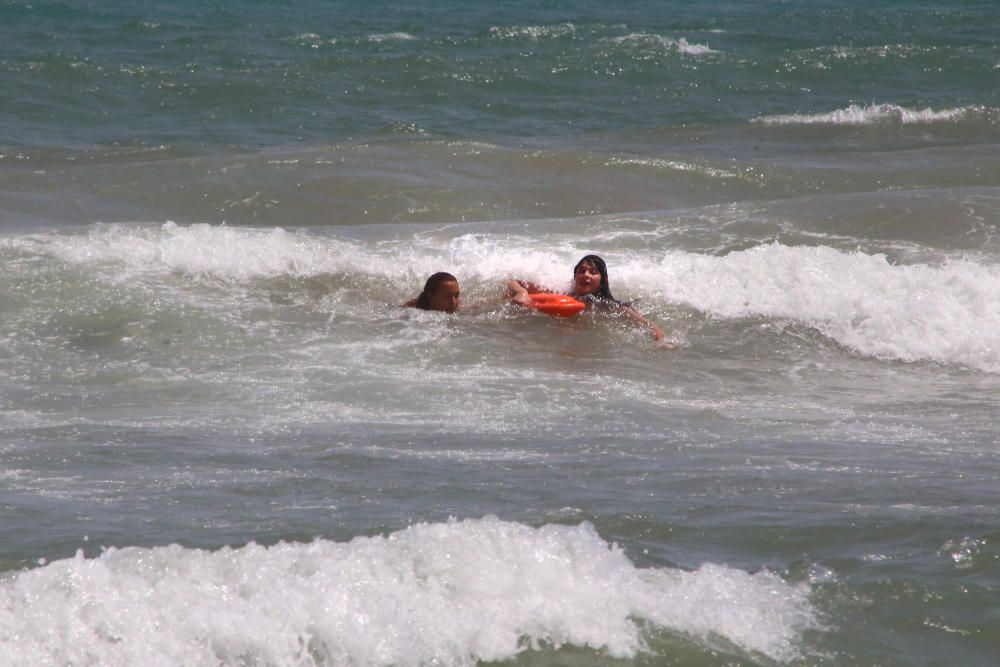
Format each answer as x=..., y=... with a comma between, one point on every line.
x=223, y=443
x=222, y=73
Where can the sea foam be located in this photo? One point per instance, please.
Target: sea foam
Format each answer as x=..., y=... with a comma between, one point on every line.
x=391, y=37
x=451, y=593
x=878, y=113
x=217, y=251
x=680, y=45
x=946, y=313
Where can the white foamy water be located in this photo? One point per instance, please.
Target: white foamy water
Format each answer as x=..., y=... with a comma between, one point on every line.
x=448, y=594
x=214, y=251
x=856, y=114
x=945, y=312
x=391, y=37
x=680, y=45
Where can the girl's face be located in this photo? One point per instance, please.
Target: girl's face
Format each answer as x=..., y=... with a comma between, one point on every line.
x=586, y=279
x=446, y=297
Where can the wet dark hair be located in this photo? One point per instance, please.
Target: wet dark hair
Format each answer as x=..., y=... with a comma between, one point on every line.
x=604, y=293
x=431, y=286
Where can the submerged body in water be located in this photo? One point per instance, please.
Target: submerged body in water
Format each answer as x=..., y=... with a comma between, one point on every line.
x=441, y=293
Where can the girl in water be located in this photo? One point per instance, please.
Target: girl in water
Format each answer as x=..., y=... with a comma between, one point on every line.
x=590, y=285
x=441, y=293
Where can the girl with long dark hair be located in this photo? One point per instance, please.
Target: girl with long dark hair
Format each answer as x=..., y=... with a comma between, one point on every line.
x=592, y=286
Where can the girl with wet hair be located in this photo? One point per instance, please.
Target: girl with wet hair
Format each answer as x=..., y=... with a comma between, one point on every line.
x=592, y=286
x=590, y=279
x=441, y=293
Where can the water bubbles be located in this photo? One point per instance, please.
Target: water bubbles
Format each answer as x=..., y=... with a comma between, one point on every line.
x=963, y=552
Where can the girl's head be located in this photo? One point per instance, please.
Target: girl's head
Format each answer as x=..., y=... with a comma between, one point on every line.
x=590, y=278
x=441, y=292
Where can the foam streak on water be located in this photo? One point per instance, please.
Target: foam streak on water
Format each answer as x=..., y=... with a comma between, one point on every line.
x=882, y=113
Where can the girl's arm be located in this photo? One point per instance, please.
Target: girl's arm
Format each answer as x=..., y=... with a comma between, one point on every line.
x=634, y=315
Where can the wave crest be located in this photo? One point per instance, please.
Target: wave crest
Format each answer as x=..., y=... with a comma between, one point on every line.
x=948, y=313
x=680, y=45
x=881, y=114
x=452, y=593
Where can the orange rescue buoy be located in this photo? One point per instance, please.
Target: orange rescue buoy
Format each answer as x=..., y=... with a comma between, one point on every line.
x=559, y=305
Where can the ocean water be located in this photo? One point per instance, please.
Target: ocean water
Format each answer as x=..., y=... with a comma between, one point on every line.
x=222, y=442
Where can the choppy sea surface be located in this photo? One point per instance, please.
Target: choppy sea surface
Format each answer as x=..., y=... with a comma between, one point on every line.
x=222, y=442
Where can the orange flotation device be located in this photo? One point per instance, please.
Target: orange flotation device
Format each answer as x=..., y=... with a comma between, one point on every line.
x=559, y=305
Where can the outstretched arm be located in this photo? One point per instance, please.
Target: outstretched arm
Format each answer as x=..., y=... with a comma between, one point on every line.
x=518, y=292
x=634, y=315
